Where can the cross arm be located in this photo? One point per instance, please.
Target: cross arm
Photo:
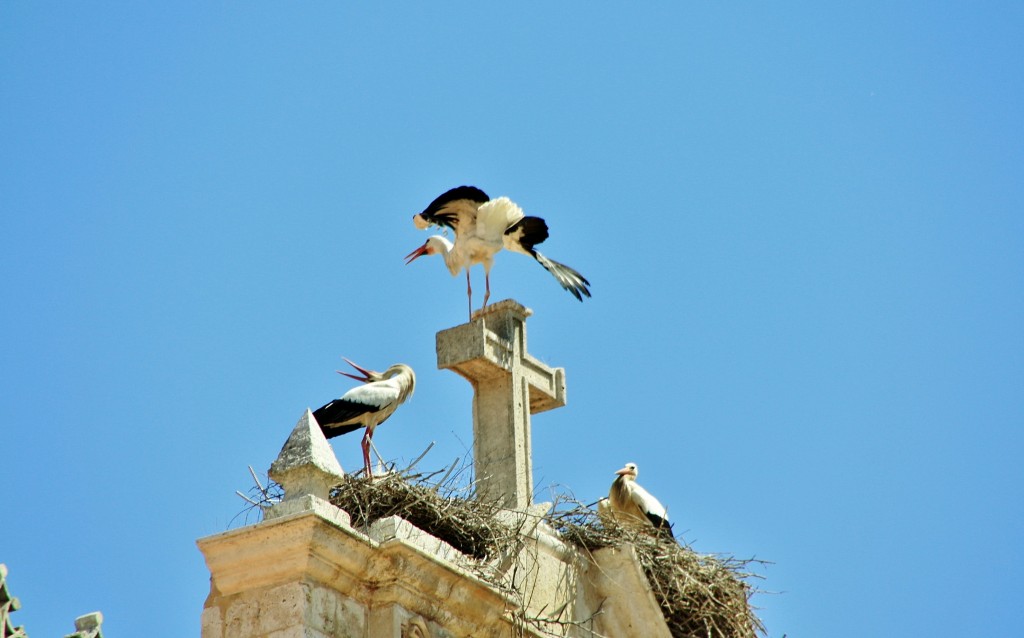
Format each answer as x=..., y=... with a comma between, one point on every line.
x=480, y=350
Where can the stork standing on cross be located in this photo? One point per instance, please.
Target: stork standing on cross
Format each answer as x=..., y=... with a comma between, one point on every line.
x=483, y=226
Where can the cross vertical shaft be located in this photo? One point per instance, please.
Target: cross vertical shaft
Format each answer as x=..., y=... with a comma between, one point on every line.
x=508, y=386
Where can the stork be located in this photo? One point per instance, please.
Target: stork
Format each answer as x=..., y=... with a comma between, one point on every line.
x=367, y=405
x=633, y=505
x=483, y=226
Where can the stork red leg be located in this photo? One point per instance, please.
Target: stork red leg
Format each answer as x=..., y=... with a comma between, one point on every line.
x=487, y=288
x=469, y=294
x=366, y=452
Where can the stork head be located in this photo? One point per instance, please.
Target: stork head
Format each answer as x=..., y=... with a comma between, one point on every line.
x=629, y=471
x=406, y=381
x=435, y=244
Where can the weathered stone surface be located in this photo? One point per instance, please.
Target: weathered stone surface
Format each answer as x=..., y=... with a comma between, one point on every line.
x=340, y=564
x=492, y=345
x=628, y=606
x=306, y=464
x=308, y=503
x=8, y=604
x=396, y=528
x=88, y=626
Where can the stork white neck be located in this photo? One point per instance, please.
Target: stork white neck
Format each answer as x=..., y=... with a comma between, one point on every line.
x=444, y=247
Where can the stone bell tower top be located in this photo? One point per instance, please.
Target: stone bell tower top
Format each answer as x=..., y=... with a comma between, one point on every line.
x=508, y=386
x=305, y=570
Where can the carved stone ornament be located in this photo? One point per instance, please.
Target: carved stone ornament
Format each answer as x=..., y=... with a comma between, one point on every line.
x=416, y=628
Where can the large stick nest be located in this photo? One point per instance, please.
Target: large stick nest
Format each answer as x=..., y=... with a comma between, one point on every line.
x=700, y=595
x=468, y=525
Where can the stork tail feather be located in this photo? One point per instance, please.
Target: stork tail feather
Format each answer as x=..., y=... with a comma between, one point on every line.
x=569, y=278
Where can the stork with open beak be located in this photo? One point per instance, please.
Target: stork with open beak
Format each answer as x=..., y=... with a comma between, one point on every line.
x=633, y=505
x=483, y=226
x=367, y=405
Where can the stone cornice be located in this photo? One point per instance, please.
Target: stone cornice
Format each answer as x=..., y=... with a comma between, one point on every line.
x=405, y=566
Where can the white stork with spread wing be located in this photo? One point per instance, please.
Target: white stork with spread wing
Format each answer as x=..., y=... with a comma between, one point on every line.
x=483, y=226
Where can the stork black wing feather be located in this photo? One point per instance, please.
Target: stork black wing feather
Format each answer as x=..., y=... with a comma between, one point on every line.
x=335, y=417
x=430, y=213
x=534, y=231
x=662, y=525
x=443, y=219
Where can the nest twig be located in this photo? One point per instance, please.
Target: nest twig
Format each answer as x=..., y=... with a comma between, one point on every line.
x=258, y=497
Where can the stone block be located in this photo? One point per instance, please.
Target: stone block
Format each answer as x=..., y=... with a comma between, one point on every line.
x=397, y=528
x=335, y=615
x=211, y=623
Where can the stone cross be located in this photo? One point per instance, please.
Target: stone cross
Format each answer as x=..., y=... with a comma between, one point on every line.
x=508, y=386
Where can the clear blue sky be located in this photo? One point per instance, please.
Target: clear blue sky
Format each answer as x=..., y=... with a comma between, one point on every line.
x=803, y=225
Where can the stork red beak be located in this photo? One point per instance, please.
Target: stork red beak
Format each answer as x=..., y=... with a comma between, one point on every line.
x=419, y=252
x=621, y=472
x=368, y=375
